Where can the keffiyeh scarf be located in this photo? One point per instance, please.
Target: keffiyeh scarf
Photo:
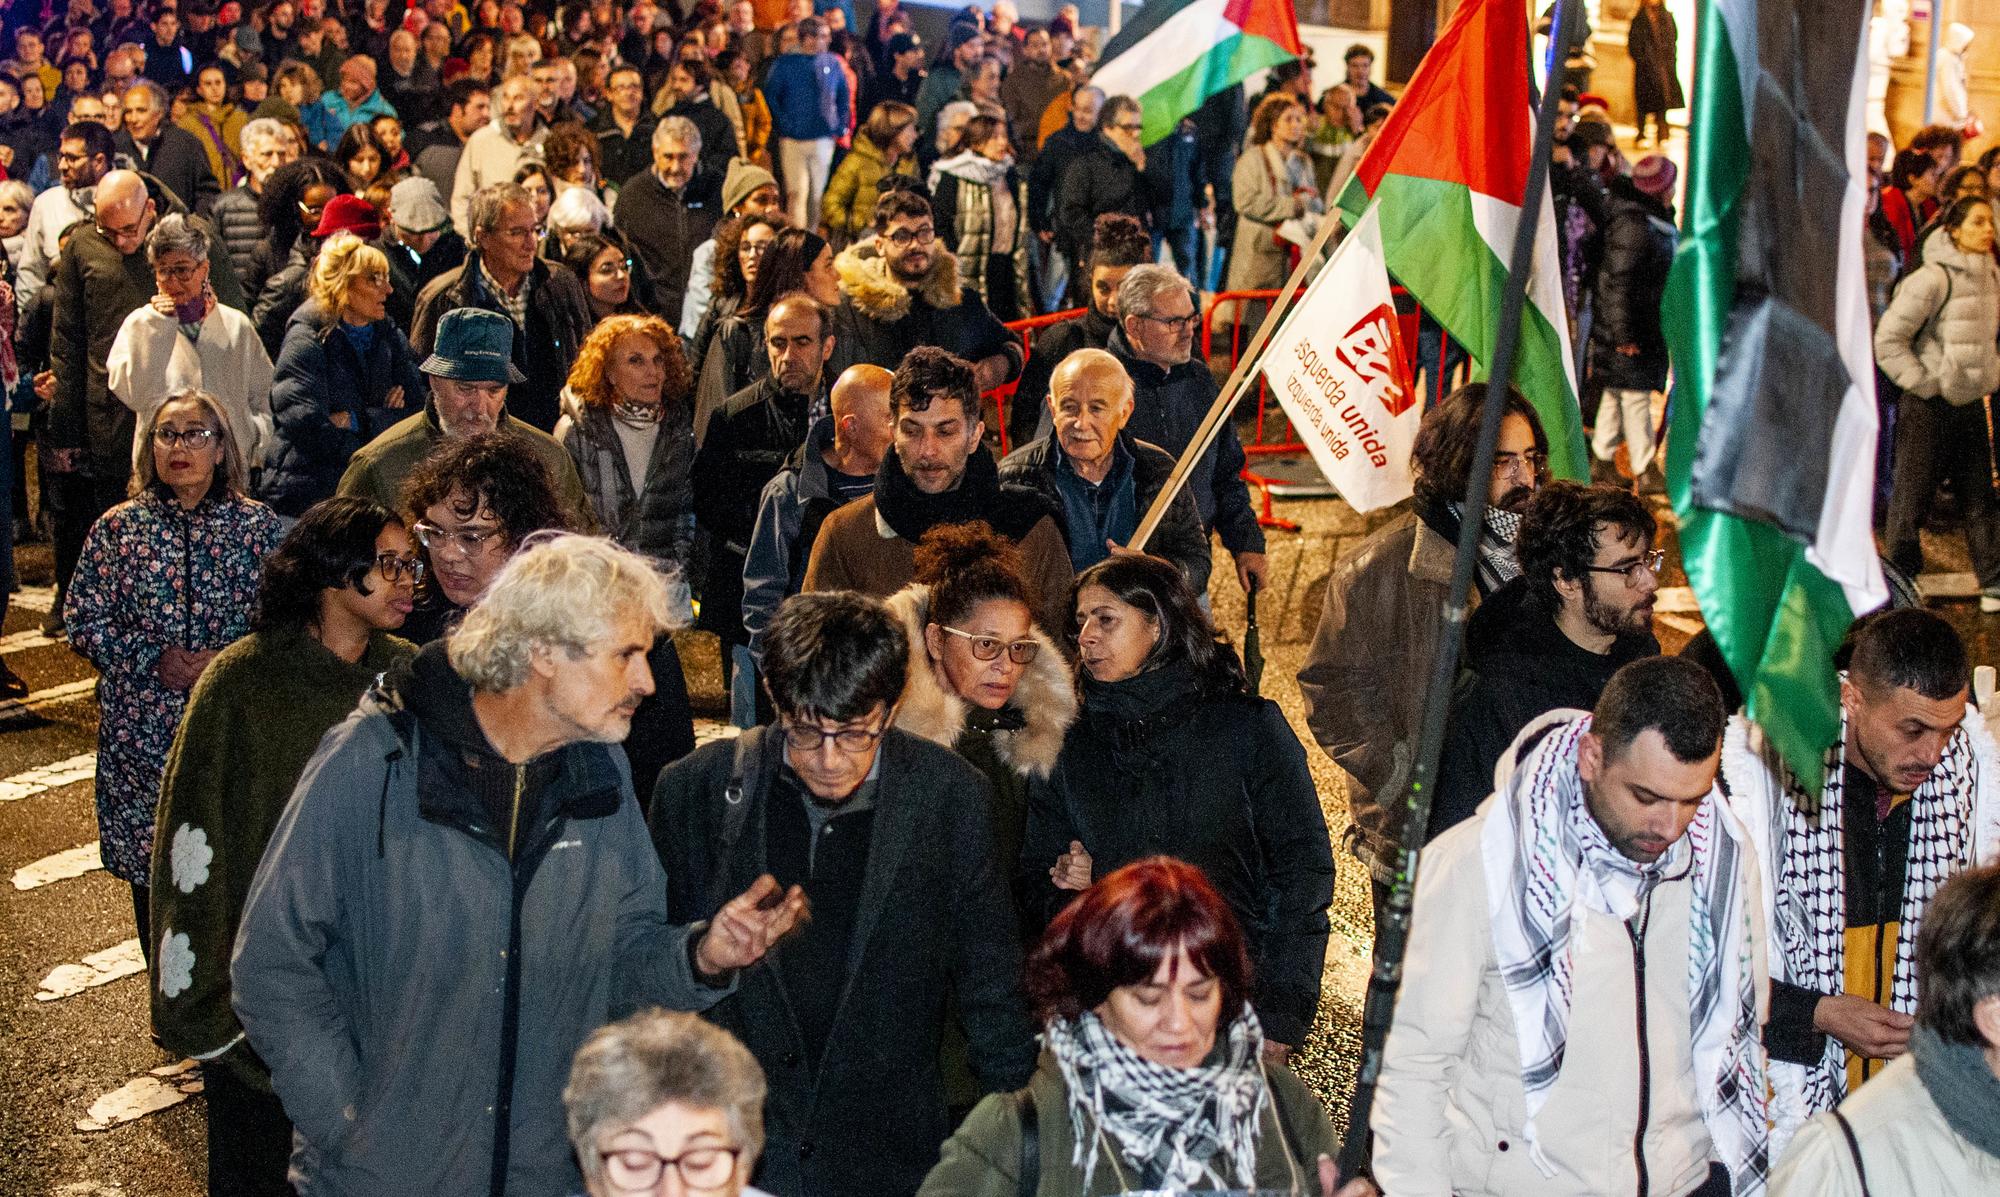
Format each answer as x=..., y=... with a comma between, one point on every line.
x=1809, y=893
x=1545, y=857
x=1186, y=1128
x=1497, y=563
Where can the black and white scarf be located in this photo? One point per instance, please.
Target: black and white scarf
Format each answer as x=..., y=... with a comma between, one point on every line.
x=1801, y=845
x=1545, y=856
x=1497, y=563
x=1186, y=1128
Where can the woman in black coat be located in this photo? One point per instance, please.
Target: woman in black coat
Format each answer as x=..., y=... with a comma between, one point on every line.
x=1653, y=41
x=344, y=373
x=1174, y=755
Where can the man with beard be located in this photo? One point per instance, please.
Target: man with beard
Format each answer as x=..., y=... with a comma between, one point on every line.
x=1911, y=796
x=1363, y=681
x=901, y=290
x=1551, y=638
x=938, y=471
x=83, y=156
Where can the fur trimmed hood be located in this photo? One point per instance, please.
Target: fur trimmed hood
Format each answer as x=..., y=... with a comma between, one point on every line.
x=877, y=294
x=1046, y=695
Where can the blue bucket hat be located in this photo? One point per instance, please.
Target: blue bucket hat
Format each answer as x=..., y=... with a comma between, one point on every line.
x=474, y=345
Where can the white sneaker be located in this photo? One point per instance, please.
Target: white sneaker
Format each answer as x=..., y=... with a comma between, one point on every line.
x=1989, y=602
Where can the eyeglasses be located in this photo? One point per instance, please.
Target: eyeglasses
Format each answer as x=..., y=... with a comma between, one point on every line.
x=129, y=232
x=176, y=274
x=394, y=568
x=466, y=542
x=988, y=648
x=1176, y=324
x=1507, y=463
x=804, y=737
x=1650, y=563
x=193, y=438
x=637, y=1170
x=615, y=266
x=922, y=236
x=1129, y=126
x=753, y=249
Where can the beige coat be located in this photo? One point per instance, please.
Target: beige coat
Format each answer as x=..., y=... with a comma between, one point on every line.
x=151, y=360
x=1263, y=195
x=1906, y=1145
x=1450, y=1111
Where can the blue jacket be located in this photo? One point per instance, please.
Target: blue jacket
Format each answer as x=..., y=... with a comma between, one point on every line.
x=803, y=92
x=335, y=114
x=319, y=373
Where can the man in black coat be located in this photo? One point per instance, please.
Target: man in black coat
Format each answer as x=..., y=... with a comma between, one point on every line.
x=1117, y=244
x=164, y=150
x=1628, y=343
x=623, y=126
x=670, y=208
x=1551, y=638
x=1105, y=177
x=891, y=838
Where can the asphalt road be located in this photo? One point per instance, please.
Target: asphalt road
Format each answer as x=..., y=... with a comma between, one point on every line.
x=59, y=1057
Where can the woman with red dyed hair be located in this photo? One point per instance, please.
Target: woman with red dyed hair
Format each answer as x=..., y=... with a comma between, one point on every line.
x=1154, y=1077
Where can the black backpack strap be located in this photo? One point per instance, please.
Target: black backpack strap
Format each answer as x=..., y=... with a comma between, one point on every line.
x=734, y=814
x=1853, y=1149
x=1030, y=1177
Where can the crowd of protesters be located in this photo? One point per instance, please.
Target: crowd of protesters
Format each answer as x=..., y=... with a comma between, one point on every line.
x=401, y=375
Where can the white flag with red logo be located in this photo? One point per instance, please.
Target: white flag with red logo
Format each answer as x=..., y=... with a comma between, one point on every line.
x=1338, y=366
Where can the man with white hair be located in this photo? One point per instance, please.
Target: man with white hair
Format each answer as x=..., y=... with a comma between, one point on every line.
x=494, y=153
x=1101, y=479
x=267, y=145
x=464, y=865
x=668, y=211
x=410, y=84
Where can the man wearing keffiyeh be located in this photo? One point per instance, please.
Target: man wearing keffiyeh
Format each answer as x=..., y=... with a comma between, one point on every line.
x=1580, y=1004
x=1911, y=797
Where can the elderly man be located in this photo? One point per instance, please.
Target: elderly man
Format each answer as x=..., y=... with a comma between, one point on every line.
x=660, y=1090
x=267, y=145
x=502, y=273
x=1928, y=1124
x=901, y=289
x=410, y=85
x=891, y=839
x=938, y=471
x=1154, y=341
x=419, y=242
x=835, y=466
x=492, y=154
x=1582, y=982
x=83, y=156
x=1911, y=796
x=354, y=101
x=470, y=371
x=666, y=212
x=163, y=149
x=1101, y=479
x=464, y=866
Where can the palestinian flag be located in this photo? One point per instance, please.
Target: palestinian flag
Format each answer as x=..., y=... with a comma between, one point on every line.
x=1176, y=53
x=1447, y=174
x=1771, y=456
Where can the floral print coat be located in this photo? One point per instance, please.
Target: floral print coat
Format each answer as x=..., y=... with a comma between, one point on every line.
x=155, y=575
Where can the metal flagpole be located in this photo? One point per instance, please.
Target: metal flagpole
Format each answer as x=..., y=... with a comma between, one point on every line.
x=1394, y=938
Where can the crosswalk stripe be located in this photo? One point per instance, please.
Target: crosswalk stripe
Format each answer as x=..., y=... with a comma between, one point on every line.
x=82, y=767
x=20, y=642
x=15, y=708
x=147, y=1093
x=99, y=968
x=60, y=866
x=40, y=599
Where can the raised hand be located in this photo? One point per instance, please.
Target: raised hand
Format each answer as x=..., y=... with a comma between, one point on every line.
x=749, y=925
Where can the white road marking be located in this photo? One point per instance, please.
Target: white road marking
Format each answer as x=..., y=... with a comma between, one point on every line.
x=41, y=599
x=82, y=767
x=20, y=642
x=62, y=866
x=98, y=968
x=147, y=1093
x=15, y=708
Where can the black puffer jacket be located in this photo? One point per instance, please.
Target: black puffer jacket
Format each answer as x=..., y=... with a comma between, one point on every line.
x=1153, y=766
x=558, y=321
x=242, y=231
x=1168, y=407
x=1631, y=278
x=1101, y=179
x=1518, y=665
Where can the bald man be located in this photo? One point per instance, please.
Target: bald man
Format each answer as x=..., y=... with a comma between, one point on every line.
x=836, y=465
x=1101, y=480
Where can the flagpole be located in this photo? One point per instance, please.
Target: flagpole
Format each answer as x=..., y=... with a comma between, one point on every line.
x=1393, y=940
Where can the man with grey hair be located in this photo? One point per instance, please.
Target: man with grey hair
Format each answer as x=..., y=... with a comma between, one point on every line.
x=667, y=212
x=494, y=153
x=503, y=273
x=163, y=149
x=1172, y=392
x=662, y=1090
x=464, y=867
x=267, y=145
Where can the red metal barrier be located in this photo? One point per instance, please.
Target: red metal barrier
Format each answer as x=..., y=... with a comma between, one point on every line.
x=1003, y=394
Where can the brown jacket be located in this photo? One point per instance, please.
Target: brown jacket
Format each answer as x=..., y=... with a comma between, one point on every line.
x=1364, y=679
x=856, y=550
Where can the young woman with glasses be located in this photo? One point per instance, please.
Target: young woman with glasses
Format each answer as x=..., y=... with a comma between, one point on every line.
x=332, y=595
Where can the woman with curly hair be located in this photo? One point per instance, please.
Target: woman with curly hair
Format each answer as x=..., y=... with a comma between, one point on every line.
x=572, y=154
x=332, y=594
x=740, y=245
x=294, y=199
x=629, y=427
x=795, y=260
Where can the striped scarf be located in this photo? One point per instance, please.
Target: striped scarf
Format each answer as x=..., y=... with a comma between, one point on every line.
x=1544, y=855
